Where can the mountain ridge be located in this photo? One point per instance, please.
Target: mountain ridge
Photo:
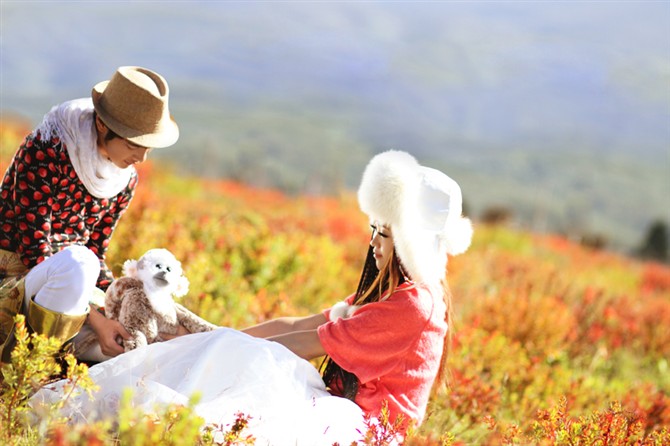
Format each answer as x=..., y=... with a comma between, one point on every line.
x=521, y=104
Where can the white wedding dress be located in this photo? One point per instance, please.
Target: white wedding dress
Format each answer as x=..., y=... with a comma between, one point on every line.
x=233, y=372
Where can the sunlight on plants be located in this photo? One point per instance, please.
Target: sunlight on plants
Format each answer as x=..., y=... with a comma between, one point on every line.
x=553, y=343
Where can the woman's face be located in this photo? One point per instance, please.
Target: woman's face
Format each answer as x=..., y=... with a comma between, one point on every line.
x=119, y=151
x=382, y=244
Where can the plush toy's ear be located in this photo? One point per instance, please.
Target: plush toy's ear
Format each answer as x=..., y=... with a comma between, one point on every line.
x=130, y=268
x=182, y=287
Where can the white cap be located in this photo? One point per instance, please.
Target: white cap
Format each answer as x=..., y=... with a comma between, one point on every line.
x=423, y=207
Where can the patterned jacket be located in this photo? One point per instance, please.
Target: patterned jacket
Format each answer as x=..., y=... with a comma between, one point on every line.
x=44, y=207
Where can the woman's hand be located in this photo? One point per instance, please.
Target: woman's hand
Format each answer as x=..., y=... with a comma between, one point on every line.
x=181, y=331
x=108, y=332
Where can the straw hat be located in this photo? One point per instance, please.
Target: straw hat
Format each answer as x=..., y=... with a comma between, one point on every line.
x=422, y=206
x=134, y=104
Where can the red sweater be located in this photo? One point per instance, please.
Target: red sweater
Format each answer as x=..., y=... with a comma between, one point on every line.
x=44, y=207
x=394, y=347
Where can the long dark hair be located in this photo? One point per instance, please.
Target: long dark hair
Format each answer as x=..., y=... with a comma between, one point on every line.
x=372, y=285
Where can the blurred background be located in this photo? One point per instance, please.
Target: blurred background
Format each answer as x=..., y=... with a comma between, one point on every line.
x=552, y=115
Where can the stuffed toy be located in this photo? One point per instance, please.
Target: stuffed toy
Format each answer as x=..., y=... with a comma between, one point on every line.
x=143, y=302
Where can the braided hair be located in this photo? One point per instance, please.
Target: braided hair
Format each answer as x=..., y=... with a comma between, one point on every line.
x=372, y=286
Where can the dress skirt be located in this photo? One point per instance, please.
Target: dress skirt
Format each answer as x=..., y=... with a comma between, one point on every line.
x=232, y=373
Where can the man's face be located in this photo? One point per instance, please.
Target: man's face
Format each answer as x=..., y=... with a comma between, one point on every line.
x=119, y=151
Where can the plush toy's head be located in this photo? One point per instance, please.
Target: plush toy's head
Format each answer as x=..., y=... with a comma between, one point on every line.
x=159, y=271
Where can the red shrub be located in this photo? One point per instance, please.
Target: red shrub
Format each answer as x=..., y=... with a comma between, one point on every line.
x=542, y=324
x=655, y=278
x=471, y=397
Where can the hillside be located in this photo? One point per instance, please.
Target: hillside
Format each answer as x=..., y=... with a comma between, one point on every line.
x=551, y=340
x=557, y=113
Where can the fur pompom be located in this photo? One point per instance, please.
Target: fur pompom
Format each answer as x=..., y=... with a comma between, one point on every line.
x=458, y=235
x=342, y=310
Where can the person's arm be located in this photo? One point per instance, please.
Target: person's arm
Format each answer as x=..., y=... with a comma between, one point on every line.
x=284, y=325
x=107, y=331
x=268, y=329
x=305, y=344
x=32, y=199
x=102, y=232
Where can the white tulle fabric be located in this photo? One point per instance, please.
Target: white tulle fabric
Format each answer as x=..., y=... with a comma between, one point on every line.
x=232, y=372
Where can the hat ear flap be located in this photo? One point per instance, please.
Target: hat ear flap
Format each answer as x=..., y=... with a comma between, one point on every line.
x=130, y=268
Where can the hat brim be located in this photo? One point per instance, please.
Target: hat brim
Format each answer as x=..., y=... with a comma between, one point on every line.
x=166, y=134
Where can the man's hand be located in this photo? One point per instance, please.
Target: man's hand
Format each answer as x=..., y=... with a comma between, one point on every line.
x=181, y=331
x=109, y=333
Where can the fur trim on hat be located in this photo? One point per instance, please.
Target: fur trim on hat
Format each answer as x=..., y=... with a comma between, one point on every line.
x=385, y=183
x=423, y=208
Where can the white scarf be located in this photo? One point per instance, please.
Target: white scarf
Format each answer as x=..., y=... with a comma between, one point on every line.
x=73, y=122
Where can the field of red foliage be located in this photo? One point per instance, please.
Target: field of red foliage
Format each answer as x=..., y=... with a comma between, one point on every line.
x=553, y=343
x=551, y=340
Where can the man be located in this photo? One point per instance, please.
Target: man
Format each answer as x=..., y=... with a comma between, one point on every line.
x=61, y=198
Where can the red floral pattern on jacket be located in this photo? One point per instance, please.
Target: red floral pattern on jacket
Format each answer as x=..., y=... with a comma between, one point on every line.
x=45, y=207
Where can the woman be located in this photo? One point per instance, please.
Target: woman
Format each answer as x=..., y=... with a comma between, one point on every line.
x=384, y=344
x=62, y=196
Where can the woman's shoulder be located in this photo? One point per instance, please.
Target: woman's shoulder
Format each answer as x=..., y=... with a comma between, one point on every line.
x=417, y=297
x=415, y=290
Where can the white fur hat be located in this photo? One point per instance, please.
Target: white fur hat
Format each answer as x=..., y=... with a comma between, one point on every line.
x=423, y=207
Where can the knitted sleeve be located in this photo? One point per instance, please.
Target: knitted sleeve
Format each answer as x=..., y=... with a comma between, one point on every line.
x=376, y=337
x=35, y=171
